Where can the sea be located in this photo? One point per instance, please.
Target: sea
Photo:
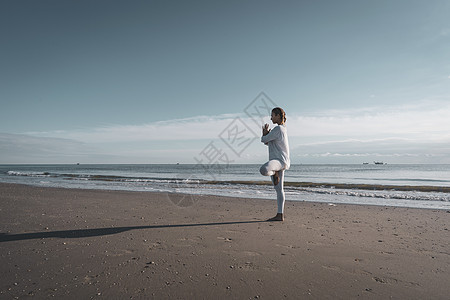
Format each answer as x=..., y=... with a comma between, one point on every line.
x=402, y=185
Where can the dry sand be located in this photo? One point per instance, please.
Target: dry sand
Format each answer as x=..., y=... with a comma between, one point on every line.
x=83, y=244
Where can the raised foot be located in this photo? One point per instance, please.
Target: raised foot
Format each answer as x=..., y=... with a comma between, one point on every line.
x=276, y=178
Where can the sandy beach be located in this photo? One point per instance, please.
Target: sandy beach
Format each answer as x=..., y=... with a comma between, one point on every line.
x=91, y=244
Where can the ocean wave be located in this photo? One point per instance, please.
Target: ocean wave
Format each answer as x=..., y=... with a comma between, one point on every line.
x=352, y=189
x=28, y=173
x=339, y=186
x=381, y=194
x=99, y=177
x=112, y=178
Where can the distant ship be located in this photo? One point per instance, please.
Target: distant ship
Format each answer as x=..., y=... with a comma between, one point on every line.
x=378, y=162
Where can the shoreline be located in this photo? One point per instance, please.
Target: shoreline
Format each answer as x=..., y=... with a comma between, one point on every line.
x=298, y=184
x=76, y=243
x=359, y=186
x=340, y=199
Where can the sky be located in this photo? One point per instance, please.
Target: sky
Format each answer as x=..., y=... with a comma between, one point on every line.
x=189, y=81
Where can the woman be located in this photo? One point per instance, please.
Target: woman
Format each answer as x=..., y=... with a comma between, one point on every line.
x=277, y=140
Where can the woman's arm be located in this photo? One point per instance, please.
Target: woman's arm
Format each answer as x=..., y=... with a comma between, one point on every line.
x=271, y=135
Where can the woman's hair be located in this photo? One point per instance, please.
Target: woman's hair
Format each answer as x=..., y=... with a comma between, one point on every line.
x=280, y=111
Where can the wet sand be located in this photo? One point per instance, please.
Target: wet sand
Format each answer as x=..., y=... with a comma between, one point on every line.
x=83, y=244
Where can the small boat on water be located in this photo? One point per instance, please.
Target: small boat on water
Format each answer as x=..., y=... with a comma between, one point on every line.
x=378, y=162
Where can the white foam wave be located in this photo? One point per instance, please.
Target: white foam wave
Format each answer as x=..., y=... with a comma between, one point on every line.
x=28, y=173
x=384, y=194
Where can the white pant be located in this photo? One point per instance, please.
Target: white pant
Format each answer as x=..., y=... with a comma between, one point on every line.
x=269, y=169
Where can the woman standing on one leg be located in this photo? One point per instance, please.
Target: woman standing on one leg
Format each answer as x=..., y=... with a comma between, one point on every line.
x=279, y=161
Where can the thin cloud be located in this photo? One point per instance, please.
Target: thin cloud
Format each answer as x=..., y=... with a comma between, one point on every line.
x=195, y=128
x=406, y=134
x=414, y=122
x=419, y=121
x=416, y=131
x=20, y=148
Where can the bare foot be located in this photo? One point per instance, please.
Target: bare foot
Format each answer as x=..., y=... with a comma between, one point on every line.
x=278, y=217
x=276, y=178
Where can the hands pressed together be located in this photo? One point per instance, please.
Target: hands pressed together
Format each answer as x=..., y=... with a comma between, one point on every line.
x=265, y=129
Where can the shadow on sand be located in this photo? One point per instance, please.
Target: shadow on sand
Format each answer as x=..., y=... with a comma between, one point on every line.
x=82, y=233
